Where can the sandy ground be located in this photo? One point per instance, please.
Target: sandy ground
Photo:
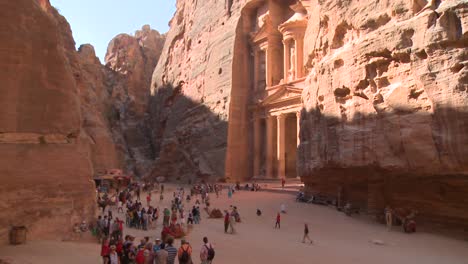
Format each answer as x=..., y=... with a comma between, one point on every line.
x=337, y=238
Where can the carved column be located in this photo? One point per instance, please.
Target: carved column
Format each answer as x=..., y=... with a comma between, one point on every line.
x=299, y=40
x=256, y=67
x=257, y=146
x=298, y=120
x=281, y=145
x=268, y=60
x=287, y=57
x=270, y=146
x=274, y=57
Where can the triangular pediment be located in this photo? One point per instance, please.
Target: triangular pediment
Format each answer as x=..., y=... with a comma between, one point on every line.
x=261, y=35
x=282, y=94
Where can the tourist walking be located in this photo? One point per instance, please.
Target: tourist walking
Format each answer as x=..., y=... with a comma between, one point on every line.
x=138, y=191
x=184, y=253
x=306, y=234
x=207, y=252
x=278, y=221
x=388, y=217
x=113, y=256
x=167, y=215
x=232, y=222
x=283, y=181
x=105, y=251
x=229, y=193
x=226, y=221
x=148, y=199
x=171, y=251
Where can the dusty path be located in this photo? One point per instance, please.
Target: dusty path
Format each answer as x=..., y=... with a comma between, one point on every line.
x=338, y=238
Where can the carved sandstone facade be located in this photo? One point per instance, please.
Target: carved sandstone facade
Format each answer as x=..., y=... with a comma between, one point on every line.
x=380, y=87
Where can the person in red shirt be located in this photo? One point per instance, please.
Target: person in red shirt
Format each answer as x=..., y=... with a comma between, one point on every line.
x=119, y=247
x=140, y=257
x=278, y=221
x=148, y=199
x=283, y=181
x=105, y=251
x=226, y=221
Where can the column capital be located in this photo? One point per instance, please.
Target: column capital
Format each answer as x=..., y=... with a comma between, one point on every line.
x=281, y=116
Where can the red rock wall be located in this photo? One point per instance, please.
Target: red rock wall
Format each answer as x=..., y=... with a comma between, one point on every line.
x=97, y=110
x=45, y=166
x=130, y=61
x=386, y=105
x=190, y=124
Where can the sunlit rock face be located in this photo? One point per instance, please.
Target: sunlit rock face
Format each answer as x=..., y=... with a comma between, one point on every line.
x=66, y=117
x=45, y=166
x=385, y=116
x=131, y=61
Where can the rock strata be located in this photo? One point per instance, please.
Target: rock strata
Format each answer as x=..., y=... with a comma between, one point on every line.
x=384, y=99
x=131, y=61
x=45, y=166
x=385, y=115
x=66, y=117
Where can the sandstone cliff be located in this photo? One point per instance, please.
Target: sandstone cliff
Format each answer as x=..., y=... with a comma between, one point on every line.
x=386, y=106
x=190, y=123
x=45, y=167
x=65, y=117
x=385, y=100
x=130, y=61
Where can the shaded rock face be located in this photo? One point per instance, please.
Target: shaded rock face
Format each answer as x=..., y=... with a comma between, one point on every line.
x=189, y=122
x=45, y=166
x=385, y=116
x=96, y=109
x=130, y=61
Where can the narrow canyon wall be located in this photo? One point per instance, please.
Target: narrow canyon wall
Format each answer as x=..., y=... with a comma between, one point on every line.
x=190, y=122
x=130, y=61
x=45, y=165
x=385, y=115
x=65, y=117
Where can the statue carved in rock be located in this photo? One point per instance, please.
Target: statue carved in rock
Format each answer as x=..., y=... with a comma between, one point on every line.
x=292, y=64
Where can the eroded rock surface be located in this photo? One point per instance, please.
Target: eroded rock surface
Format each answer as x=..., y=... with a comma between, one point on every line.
x=45, y=164
x=65, y=117
x=384, y=115
x=131, y=61
x=386, y=105
x=190, y=122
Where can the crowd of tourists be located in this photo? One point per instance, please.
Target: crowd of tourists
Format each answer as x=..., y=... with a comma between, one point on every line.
x=175, y=221
x=157, y=252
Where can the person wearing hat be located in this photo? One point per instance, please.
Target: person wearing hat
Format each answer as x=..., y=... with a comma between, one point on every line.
x=157, y=245
x=113, y=256
x=161, y=255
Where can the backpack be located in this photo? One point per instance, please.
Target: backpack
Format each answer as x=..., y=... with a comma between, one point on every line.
x=211, y=252
x=184, y=257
